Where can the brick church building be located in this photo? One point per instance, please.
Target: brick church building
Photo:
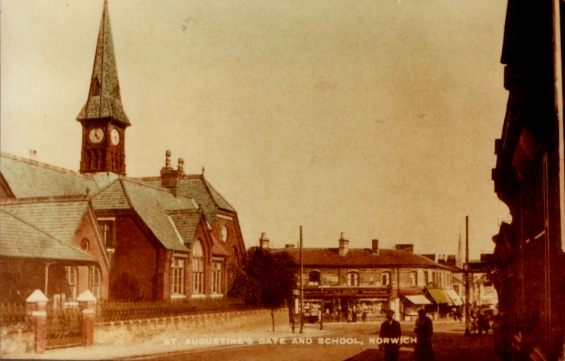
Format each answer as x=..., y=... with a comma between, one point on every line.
x=168, y=237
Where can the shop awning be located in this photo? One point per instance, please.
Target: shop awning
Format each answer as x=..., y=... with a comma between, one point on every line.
x=418, y=300
x=454, y=297
x=440, y=296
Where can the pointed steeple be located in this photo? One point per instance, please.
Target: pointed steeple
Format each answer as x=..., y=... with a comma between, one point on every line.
x=104, y=99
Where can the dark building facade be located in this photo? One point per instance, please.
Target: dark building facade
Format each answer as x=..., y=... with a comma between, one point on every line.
x=529, y=250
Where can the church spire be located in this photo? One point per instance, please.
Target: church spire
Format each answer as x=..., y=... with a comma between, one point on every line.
x=104, y=99
x=103, y=119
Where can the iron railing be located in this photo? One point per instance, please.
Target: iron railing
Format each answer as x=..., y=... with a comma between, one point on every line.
x=112, y=311
x=13, y=314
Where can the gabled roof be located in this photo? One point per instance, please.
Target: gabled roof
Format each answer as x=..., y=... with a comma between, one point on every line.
x=152, y=204
x=360, y=257
x=104, y=99
x=22, y=239
x=197, y=187
x=186, y=222
x=26, y=178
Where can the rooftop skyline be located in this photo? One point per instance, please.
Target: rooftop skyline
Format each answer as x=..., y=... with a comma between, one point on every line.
x=377, y=120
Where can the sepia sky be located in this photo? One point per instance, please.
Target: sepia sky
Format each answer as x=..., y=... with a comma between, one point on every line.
x=376, y=118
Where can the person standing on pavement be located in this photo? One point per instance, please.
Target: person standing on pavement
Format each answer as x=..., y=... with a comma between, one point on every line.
x=423, y=350
x=390, y=333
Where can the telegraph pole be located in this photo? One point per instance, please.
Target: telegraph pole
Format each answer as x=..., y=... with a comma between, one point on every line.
x=466, y=270
x=301, y=286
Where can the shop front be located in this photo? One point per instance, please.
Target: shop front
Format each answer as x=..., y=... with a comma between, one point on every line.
x=344, y=304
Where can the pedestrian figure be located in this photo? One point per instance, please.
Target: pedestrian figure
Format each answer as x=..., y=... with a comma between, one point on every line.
x=423, y=350
x=364, y=316
x=390, y=334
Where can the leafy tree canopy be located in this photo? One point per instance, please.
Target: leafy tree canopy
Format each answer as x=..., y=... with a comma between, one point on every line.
x=265, y=278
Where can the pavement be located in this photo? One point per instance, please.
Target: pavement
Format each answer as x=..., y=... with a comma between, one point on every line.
x=169, y=345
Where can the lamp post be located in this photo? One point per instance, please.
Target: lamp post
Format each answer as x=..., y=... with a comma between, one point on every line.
x=466, y=270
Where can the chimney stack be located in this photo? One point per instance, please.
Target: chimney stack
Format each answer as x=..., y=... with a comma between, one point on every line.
x=405, y=247
x=264, y=241
x=343, y=245
x=169, y=176
x=375, y=246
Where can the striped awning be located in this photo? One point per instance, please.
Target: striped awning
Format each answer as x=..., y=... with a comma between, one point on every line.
x=440, y=296
x=454, y=297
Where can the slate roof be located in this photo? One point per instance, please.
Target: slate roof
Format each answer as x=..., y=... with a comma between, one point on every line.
x=152, y=204
x=21, y=238
x=27, y=178
x=360, y=257
x=197, y=187
x=58, y=218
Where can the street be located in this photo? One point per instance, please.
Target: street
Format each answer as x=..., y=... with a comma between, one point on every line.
x=342, y=341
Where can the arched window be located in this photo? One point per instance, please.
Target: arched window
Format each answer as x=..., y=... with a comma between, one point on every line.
x=353, y=278
x=197, y=268
x=413, y=278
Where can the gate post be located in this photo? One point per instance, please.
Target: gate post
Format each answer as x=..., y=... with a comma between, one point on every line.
x=87, y=303
x=37, y=304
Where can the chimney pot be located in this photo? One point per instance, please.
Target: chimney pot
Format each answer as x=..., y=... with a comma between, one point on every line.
x=343, y=245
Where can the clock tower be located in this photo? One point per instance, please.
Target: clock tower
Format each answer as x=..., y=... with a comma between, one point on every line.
x=103, y=119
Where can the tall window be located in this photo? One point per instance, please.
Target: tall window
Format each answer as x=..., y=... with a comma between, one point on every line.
x=314, y=278
x=72, y=278
x=426, y=278
x=216, y=277
x=413, y=278
x=353, y=279
x=197, y=268
x=95, y=281
x=385, y=278
x=107, y=226
x=177, y=277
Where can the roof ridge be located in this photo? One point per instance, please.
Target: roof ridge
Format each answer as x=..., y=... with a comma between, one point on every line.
x=45, y=165
x=42, y=231
x=46, y=199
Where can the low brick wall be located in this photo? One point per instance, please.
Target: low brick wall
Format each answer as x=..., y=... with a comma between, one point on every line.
x=155, y=329
x=15, y=340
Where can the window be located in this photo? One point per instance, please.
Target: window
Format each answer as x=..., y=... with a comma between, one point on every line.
x=426, y=278
x=107, y=226
x=224, y=233
x=72, y=277
x=314, y=278
x=94, y=281
x=177, y=277
x=413, y=278
x=197, y=268
x=385, y=278
x=217, y=277
x=353, y=279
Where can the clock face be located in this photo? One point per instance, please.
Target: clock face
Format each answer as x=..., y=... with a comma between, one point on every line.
x=115, y=136
x=96, y=135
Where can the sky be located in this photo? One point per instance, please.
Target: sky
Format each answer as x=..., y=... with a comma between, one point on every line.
x=375, y=118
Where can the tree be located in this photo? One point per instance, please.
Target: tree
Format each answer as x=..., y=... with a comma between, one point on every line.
x=264, y=278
